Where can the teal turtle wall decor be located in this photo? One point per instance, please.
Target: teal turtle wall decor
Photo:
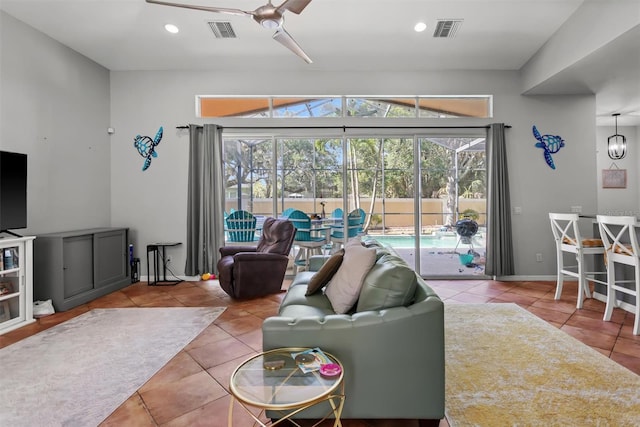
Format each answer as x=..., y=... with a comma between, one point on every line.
x=550, y=144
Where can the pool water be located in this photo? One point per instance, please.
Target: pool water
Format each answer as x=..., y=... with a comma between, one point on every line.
x=407, y=241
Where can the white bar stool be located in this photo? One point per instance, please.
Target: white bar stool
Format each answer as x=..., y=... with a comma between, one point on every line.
x=569, y=240
x=621, y=243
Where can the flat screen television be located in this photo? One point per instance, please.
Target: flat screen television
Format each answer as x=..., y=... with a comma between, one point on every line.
x=13, y=191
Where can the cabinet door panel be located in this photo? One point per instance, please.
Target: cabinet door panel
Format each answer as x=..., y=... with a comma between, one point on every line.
x=110, y=259
x=78, y=265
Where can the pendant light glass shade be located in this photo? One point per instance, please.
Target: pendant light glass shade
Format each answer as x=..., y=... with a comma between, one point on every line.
x=617, y=144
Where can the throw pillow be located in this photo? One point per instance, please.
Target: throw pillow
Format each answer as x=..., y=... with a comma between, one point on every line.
x=354, y=241
x=343, y=290
x=325, y=273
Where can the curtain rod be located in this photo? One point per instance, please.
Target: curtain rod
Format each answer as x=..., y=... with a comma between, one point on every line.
x=350, y=127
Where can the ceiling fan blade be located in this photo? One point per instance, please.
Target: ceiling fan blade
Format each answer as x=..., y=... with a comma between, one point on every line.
x=287, y=41
x=295, y=6
x=205, y=8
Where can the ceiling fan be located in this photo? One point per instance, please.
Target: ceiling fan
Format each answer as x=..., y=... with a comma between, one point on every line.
x=269, y=16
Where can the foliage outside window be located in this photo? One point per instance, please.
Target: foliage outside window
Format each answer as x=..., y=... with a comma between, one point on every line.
x=377, y=170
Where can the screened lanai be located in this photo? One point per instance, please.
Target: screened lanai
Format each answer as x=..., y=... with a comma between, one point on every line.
x=410, y=205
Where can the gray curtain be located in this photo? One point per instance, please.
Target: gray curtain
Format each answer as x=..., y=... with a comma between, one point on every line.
x=205, y=200
x=499, y=235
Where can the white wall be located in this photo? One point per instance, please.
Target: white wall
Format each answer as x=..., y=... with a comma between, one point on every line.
x=54, y=106
x=153, y=203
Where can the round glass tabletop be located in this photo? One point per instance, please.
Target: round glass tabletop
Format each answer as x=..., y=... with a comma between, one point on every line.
x=277, y=380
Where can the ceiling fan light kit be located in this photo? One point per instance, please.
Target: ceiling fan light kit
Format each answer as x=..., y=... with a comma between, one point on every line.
x=268, y=16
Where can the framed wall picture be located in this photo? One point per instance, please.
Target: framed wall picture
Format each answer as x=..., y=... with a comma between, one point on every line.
x=614, y=178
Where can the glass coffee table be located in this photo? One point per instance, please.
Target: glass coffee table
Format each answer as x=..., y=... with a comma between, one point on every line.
x=273, y=381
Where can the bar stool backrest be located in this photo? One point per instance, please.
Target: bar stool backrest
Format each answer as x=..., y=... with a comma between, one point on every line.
x=565, y=230
x=619, y=235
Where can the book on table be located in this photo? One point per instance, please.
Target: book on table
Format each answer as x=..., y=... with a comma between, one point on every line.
x=310, y=360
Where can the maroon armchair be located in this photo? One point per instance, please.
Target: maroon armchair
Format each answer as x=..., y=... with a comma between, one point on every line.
x=253, y=271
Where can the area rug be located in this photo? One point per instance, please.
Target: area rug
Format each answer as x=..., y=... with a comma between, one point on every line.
x=78, y=372
x=507, y=367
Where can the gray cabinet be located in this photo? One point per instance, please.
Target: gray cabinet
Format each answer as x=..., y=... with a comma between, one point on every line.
x=75, y=267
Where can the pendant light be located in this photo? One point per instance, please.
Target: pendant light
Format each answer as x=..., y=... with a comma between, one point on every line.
x=617, y=144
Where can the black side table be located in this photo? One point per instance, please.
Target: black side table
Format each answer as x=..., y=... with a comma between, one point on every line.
x=158, y=253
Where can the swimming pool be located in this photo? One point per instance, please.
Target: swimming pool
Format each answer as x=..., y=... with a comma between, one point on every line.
x=407, y=241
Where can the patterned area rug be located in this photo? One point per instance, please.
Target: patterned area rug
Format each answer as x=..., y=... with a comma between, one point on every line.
x=507, y=367
x=78, y=372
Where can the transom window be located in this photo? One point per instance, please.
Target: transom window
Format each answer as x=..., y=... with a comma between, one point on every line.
x=455, y=106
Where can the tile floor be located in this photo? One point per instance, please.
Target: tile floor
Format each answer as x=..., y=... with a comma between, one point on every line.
x=191, y=390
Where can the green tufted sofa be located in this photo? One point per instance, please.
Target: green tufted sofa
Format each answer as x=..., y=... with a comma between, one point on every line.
x=391, y=344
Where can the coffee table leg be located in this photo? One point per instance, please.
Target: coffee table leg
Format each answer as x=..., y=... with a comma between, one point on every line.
x=337, y=412
x=230, y=422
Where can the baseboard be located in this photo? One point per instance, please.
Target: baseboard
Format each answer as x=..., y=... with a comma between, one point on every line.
x=185, y=278
x=551, y=278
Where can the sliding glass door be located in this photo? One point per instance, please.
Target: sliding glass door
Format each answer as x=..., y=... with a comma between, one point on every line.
x=413, y=189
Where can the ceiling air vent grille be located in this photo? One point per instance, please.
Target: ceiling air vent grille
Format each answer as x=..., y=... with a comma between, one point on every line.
x=447, y=27
x=222, y=29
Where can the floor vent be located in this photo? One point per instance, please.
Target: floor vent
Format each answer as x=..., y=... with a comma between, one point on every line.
x=222, y=29
x=447, y=27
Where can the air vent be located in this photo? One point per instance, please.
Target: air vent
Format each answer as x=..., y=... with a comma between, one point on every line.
x=447, y=27
x=222, y=30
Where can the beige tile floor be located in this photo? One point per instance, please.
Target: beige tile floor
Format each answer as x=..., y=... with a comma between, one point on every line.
x=191, y=390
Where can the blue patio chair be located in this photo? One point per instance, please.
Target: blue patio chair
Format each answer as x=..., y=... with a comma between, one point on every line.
x=354, y=226
x=306, y=239
x=287, y=212
x=241, y=227
x=363, y=216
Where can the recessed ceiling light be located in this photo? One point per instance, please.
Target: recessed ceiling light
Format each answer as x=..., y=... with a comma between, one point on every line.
x=171, y=28
x=420, y=27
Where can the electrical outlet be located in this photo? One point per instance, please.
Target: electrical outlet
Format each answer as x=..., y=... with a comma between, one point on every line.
x=517, y=210
x=576, y=209
x=168, y=259
x=538, y=257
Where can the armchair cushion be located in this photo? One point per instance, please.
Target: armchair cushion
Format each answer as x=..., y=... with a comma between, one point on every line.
x=344, y=288
x=326, y=272
x=276, y=236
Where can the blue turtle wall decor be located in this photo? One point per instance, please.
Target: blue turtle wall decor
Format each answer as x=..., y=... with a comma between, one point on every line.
x=147, y=147
x=550, y=144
